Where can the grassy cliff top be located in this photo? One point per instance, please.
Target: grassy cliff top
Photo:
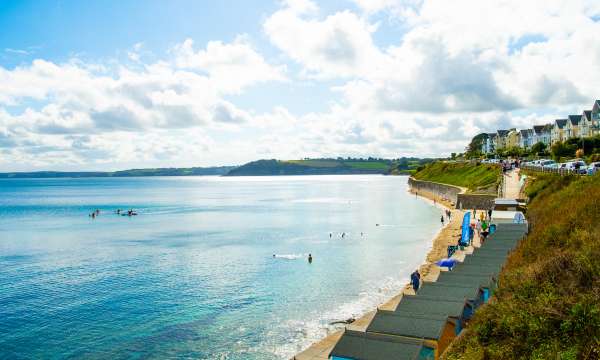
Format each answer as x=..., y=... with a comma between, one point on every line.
x=482, y=178
x=547, y=305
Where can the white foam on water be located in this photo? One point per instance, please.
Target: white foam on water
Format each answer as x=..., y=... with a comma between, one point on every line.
x=290, y=256
x=301, y=333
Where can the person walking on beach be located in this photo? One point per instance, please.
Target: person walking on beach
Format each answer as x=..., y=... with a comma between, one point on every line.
x=415, y=280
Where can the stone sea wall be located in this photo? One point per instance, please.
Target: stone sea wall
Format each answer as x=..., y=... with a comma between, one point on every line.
x=454, y=194
x=442, y=190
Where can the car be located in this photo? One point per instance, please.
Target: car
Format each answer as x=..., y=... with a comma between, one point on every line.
x=577, y=166
x=552, y=166
x=593, y=168
x=547, y=163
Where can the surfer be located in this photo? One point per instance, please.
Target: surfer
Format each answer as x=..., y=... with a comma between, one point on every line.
x=309, y=258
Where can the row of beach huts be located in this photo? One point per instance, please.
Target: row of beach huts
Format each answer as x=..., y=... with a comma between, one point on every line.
x=586, y=124
x=423, y=325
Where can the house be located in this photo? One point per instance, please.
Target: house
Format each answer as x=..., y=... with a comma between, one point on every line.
x=526, y=138
x=500, y=139
x=542, y=133
x=572, y=129
x=558, y=130
x=585, y=125
x=513, y=138
x=487, y=146
x=595, y=128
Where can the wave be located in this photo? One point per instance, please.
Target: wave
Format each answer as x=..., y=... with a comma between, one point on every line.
x=299, y=334
x=290, y=256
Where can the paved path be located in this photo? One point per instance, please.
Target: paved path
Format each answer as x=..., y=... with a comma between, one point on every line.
x=511, y=186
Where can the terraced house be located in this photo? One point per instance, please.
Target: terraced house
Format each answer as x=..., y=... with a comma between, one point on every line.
x=526, y=138
x=586, y=124
x=500, y=139
x=558, y=130
x=595, y=128
x=542, y=133
x=572, y=129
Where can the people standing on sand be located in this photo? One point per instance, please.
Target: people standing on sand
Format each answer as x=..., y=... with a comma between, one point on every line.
x=415, y=280
x=309, y=258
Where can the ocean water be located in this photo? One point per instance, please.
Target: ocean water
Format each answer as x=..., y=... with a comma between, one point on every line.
x=193, y=275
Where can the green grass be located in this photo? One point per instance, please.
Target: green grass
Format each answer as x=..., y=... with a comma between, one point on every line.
x=547, y=305
x=371, y=165
x=474, y=177
x=316, y=163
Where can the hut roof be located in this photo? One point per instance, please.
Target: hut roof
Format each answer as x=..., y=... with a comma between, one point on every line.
x=362, y=345
x=430, y=306
x=409, y=325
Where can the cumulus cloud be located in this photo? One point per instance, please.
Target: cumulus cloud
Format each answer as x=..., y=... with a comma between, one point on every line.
x=447, y=72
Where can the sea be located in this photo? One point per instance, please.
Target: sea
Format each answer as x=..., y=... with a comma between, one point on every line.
x=209, y=268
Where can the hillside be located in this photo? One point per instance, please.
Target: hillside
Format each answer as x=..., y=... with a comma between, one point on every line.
x=194, y=171
x=401, y=166
x=481, y=178
x=547, y=305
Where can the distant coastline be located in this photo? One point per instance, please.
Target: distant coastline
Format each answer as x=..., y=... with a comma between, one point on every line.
x=322, y=166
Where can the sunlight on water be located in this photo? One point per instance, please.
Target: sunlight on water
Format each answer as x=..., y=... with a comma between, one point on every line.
x=211, y=267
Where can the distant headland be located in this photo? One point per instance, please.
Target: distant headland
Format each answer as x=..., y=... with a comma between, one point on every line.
x=272, y=167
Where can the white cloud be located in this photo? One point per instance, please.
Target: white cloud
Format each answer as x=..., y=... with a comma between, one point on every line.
x=457, y=68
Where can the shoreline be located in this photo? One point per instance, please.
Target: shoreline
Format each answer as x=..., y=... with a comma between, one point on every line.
x=429, y=272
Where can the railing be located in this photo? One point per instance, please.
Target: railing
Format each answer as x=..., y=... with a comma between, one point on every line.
x=548, y=170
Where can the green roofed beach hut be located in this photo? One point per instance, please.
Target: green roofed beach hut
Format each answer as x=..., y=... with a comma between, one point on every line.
x=357, y=345
x=428, y=306
x=436, y=331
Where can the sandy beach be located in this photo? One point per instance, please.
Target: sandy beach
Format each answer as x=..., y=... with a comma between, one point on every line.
x=448, y=235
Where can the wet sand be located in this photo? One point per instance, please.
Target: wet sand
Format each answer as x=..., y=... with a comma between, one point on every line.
x=448, y=235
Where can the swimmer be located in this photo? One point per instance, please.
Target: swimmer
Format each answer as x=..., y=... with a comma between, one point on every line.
x=309, y=258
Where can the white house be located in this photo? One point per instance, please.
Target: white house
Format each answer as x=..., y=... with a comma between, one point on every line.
x=526, y=138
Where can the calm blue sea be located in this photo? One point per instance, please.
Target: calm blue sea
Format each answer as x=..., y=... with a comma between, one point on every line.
x=193, y=275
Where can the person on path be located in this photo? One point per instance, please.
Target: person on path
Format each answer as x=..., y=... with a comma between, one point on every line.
x=415, y=280
x=490, y=214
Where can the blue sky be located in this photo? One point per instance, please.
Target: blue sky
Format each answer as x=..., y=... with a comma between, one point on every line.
x=116, y=84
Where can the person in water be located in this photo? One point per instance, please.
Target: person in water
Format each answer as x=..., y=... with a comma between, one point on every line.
x=309, y=258
x=442, y=220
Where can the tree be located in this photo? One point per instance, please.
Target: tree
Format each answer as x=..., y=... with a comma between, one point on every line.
x=453, y=156
x=474, y=147
x=538, y=148
x=563, y=149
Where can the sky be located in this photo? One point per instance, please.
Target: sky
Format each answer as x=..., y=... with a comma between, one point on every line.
x=107, y=85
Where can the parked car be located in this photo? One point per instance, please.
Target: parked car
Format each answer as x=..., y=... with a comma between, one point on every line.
x=577, y=166
x=593, y=168
x=547, y=163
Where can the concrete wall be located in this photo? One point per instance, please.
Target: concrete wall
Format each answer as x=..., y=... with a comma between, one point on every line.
x=475, y=201
x=454, y=194
x=442, y=190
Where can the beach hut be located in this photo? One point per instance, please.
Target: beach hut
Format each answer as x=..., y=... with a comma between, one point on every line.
x=429, y=306
x=436, y=331
x=359, y=345
x=515, y=217
x=505, y=204
x=486, y=283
